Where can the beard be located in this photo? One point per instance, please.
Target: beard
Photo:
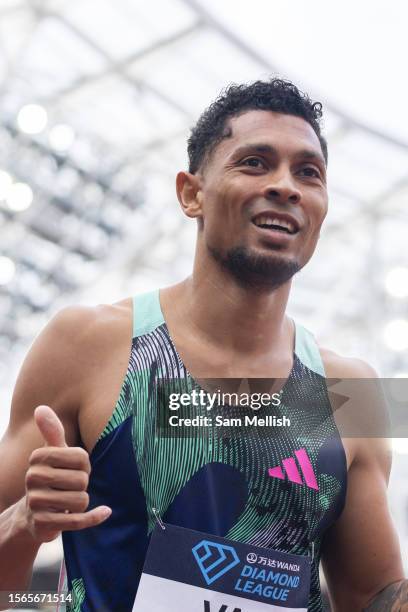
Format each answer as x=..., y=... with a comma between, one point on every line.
x=254, y=271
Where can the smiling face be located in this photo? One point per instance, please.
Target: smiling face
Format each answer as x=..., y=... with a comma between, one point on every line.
x=261, y=197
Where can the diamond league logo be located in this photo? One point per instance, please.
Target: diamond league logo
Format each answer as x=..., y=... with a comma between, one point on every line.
x=214, y=560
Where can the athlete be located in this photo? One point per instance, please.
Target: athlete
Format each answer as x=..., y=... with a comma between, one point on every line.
x=81, y=454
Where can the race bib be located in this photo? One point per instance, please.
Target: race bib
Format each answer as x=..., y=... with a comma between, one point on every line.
x=190, y=571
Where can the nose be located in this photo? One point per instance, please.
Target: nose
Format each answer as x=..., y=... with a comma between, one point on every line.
x=281, y=188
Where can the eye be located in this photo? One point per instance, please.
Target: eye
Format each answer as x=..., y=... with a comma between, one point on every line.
x=311, y=171
x=253, y=162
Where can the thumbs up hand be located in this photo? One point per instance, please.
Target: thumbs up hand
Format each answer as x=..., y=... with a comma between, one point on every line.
x=56, y=483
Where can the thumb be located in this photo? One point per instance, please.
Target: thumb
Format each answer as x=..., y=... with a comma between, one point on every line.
x=50, y=426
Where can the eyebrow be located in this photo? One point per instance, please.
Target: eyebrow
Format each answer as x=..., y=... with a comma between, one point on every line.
x=267, y=148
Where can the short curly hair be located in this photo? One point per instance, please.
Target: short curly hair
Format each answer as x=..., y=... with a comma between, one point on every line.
x=276, y=95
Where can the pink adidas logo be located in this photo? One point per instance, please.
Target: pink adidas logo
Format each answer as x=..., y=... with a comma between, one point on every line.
x=292, y=471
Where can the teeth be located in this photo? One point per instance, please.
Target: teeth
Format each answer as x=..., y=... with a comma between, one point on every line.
x=264, y=220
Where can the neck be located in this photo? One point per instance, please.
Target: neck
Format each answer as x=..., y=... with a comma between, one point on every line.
x=245, y=320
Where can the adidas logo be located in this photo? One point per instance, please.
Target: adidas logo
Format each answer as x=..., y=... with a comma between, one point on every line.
x=292, y=471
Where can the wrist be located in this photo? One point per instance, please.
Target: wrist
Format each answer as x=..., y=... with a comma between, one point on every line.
x=20, y=527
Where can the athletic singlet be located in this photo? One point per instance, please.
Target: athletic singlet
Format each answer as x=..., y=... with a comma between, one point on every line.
x=279, y=491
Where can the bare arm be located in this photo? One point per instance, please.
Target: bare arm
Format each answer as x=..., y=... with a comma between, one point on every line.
x=361, y=554
x=16, y=542
x=50, y=375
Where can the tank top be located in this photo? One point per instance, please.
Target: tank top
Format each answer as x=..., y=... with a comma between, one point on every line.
x=279, y=491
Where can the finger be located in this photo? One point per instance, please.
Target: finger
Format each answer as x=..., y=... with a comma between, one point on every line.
x=50, y=426
x=40, y=476
x=74, y=457
x=72, y=522
x=49, y=499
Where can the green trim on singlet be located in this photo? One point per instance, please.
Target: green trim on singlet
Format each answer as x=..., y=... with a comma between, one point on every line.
x=78, y=595
x=307, y=350
x=147, y=316
x=147, y=313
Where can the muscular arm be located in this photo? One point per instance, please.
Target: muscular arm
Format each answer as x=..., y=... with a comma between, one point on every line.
x=361, y=555
x=48, y=376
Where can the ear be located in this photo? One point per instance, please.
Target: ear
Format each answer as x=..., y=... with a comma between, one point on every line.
x=189, y=194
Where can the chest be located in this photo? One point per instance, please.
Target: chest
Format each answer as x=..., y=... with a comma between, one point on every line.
x=261, y=482
x=106, y=379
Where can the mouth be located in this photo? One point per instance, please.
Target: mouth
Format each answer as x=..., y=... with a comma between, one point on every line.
x=276, y=222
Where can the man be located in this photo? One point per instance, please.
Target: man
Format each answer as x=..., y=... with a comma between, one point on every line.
x=256, y=186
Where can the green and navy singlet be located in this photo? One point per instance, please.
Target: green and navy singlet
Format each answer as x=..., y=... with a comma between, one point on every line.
x=277, y=491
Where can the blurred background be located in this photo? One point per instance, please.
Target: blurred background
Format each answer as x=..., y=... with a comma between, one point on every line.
x=97, y=98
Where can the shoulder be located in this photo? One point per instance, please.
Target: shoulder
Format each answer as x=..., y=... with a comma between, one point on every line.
x=68, y=347
x=81, y=318
x=80, y=326
x=339, y=366
x=362, y=415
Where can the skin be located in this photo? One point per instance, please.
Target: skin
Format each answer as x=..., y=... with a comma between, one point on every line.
x=394, y=598
x=77, y=364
